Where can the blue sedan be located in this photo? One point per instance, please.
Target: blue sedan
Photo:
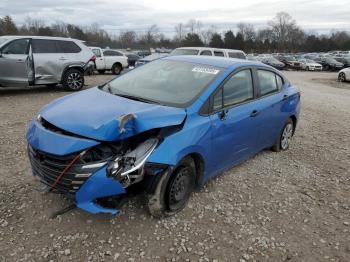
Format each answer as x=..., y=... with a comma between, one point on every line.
x=162, y=129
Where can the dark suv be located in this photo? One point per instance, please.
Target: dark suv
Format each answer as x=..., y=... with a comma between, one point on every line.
x=329, y=63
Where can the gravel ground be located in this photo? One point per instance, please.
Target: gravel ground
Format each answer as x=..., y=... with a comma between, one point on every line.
x=289, y=206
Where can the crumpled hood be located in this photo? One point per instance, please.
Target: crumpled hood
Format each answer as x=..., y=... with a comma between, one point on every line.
x=95, y=114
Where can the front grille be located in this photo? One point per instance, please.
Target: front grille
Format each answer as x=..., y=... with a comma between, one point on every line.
x=48, y=167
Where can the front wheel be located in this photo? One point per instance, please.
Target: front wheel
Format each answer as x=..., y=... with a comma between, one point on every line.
x=172, y=193
x=341, y=77
x=285, y=137
x=73, y=80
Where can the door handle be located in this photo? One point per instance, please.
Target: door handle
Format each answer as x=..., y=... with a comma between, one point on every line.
x=63, y=59
x=19, y=61
x=254, y=113
x=285, y=97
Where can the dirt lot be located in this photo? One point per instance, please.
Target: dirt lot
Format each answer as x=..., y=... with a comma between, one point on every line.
x=290, y=206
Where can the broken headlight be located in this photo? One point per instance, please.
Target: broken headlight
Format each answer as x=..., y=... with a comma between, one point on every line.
x=128, y=168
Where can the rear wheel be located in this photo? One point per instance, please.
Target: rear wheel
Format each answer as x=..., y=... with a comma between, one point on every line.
x=73, y=80
x=116, y=69
x=285, y=137
x=173, y=194
x=341, y=77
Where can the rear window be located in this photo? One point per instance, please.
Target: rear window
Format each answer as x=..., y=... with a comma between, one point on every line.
x=206, y=52
x=112, y=53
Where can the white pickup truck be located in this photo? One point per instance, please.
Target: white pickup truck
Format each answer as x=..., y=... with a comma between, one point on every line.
x=108, y=59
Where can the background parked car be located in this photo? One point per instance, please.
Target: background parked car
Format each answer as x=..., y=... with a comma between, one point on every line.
x=310, y=65
x=271, y=61
x=149, y=58
x=329, y=63
x=290, y=62
x=343, y=59
x=132, y=58
x=207, y=51
x=38, y=60
x=108, y=59
x=344, y=75
x=143, y=53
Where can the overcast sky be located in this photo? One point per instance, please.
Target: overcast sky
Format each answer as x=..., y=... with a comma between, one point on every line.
x=115, y=15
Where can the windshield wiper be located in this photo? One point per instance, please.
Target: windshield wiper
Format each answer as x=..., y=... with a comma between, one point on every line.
x=137, y=98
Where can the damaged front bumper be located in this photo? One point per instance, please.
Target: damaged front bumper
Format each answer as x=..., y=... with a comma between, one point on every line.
x=85, y=182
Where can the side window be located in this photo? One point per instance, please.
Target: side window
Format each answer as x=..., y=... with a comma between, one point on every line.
x=218, y=53
x=239, y=88
x=111, y=53
x=97, y=52
x=43, y=46
x=268, y=82
x=206, y=52
x=16, y=47
x=67, y=47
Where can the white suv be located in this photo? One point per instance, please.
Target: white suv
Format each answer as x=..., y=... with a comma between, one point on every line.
x=208, y=51
x=108, y=59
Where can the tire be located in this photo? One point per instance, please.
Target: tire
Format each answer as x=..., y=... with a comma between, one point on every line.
x=116, y=69
x=101, y=71
x=73, y=80
x=285, y=137
x=341, y=77
x=173, y=190
x=326, y=68
x=307, y=68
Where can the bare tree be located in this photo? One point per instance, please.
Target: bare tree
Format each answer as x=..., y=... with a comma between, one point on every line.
x=179, y=32
x=247, y=31
x=127, y=38
x=207, y=34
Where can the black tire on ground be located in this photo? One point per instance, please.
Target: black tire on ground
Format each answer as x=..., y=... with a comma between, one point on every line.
x=341, y=77
x=116, y=69
x=284, y=138
x=101, y=71
x=173, y=190
x=73, y=80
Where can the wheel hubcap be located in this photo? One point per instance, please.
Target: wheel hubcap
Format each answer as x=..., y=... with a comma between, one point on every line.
x=75, y=81
x=287, y=136
x=341, y=77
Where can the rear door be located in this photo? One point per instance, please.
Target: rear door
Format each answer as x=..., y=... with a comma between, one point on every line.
x=271, y=99
x=14, y=63
x=111, y=57
x=47, y=61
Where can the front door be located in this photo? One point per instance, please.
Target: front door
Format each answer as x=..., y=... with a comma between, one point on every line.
x=234, y=121
x=14, y=63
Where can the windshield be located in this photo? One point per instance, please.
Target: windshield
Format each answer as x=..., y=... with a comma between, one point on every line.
x=3, y=40
x=171, y=83
x=184, y=52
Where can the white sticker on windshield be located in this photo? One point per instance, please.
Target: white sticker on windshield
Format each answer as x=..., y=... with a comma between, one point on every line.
x=206, y=70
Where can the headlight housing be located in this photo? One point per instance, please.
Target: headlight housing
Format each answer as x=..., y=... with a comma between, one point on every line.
x=128, y=168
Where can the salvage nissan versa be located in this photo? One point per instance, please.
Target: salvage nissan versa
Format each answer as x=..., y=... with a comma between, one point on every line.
x=164, y=129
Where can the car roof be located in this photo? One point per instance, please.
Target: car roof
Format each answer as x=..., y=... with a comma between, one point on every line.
x=222, y=62
x=38, y=37
x=212, y=49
